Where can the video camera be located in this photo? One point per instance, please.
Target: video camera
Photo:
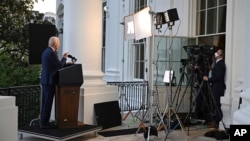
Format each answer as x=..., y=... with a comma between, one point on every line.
x=200, y=55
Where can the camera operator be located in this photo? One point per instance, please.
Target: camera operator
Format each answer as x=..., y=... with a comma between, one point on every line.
x=218, y=85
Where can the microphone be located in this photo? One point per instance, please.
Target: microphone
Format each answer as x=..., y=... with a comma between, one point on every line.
x=72, y=57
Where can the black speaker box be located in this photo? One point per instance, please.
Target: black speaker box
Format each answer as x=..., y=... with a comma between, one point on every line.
x=108, y=114
x=39, y=35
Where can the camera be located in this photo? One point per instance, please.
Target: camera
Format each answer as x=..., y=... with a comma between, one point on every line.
x=200, y=55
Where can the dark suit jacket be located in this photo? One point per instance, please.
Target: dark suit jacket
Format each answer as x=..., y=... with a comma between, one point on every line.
x=50, y=65
x=218, y=78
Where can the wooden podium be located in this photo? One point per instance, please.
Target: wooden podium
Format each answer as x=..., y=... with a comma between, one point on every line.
x=69, y=81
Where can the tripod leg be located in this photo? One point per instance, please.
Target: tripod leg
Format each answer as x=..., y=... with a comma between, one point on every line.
x=142, y=122
x=125, y=117
x=130, y=111
x=149, y=128
x=161, y=123
x=179, y=122
x=133, y=119
x=217, y=105
x=178, y=91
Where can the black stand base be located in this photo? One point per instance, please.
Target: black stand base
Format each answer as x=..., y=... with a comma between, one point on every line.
x=218, y=135
x=58, y=134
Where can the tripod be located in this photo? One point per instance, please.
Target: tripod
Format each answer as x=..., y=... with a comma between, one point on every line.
x=196, y=93
x=155, y=118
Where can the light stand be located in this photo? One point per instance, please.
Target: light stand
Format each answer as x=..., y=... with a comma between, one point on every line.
x=153, y=106
x=169, y=109
x=136, y=23
x=169, y=17
x=139, y=26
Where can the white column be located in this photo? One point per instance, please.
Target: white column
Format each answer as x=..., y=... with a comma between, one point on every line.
x=114, y=43
x=83, y=33
x=82, y=37
x=242, y=115
x=227, y=101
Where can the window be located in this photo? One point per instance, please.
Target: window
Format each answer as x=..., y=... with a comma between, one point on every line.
x=139, y=58
x=211, y=17
x=104, y=5
x=216, y=40
x=211, y=22
x=139, y=46
x=178, y=54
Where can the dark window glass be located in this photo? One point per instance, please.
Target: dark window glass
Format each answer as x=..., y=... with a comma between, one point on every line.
x=201, y=23
x=217, y=41
x=211, y=21
x=211, y=3
x=103, y=35
x=201, y=4
x=222, y=19
x=139, y=61
x=222, y=2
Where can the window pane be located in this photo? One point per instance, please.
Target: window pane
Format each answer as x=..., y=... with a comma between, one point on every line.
x=139, y=59
x=222, y=19
x=136, y=68
x=142, y=4
x=103, y=59
x=200, y=23
x=211, y=21
x=103, y=35
x=141, y=71
x=222, y=2
x=211, y=3
x=137, y=52
x=142, y=52
x=201, y=4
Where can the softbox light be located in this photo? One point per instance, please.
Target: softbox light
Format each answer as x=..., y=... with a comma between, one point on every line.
x=138, y=25
x=143, y=23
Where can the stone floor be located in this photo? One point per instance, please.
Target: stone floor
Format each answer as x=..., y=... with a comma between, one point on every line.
x=193, y=133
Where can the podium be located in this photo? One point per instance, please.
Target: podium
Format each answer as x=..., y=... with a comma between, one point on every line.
x=69, y=81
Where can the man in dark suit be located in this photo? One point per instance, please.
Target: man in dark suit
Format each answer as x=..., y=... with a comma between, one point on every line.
x=50, y=65
x=218, y=85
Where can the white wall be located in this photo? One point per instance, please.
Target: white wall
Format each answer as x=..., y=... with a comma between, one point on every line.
x=8, y=118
